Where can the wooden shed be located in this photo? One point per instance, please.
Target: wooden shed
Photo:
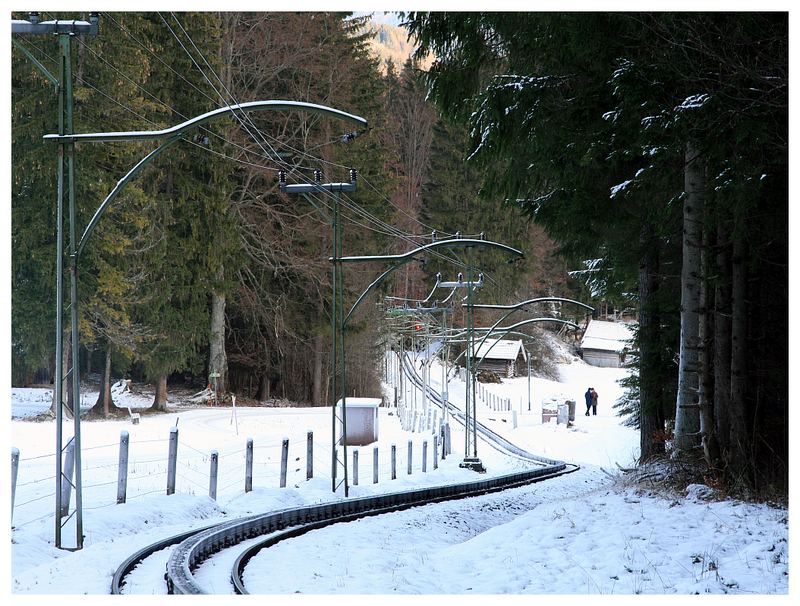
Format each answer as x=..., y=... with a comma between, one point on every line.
x=606, y=343
x=506, y=358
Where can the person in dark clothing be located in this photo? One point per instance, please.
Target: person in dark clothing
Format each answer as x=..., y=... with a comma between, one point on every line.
x=589, y=399
x=594, y=402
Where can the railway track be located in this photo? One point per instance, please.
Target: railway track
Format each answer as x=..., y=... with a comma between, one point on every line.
x=192, y=548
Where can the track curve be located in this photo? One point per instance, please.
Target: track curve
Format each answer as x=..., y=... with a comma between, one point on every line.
x=196, y=546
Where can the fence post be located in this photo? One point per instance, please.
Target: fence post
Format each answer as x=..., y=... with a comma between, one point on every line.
x=410, y=447
x=284, y=461
x=172, y=461
x=375, y=465
x=435, y=451
x=248, y=466
x=448, y=446
x=424, y=456
x=394, y=462
x=514, y=418
x=355, y=467
x=212, y=476
x=122, y=474
x=14, y=471
x=310, y=455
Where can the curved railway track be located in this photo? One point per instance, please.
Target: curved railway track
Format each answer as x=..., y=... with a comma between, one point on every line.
x=193, y=547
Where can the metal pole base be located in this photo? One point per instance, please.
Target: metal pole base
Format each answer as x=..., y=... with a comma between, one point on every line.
x=473, y=463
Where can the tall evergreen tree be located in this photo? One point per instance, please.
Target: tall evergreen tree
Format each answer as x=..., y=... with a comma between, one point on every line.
x=107, y=80
x=33, y=114
x=187, y=191
x=590, y=117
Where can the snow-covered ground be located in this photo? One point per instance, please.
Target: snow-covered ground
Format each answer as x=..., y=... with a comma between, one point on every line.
x=583, y=533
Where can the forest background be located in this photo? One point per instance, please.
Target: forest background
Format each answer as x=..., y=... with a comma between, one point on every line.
x=639, y=160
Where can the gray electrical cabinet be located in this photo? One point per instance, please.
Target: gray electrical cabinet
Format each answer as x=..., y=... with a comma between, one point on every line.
x=362, y=421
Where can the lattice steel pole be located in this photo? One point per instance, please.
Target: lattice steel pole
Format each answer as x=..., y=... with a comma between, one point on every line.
x=169, y=137
x=65, y=30
x=338, y=419
x=399, y=260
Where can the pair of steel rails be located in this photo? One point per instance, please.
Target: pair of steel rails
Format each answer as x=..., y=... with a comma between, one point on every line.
x=193, y=547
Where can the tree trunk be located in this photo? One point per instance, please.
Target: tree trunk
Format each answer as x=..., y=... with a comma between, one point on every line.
x=106, y=387
x=651, y=418
x=705, y=395
x=263, y=387
x=160, y=400
x=218, y=360
x=103, y=404
x=722, y=339
x=316, y=395
x=738, y=439
x=687, y=413
x=88, y=358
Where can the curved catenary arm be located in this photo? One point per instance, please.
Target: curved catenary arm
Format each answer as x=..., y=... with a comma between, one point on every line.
x=504, y=330
x=512, y=308
x=118, y=188
x=173, y=135
x=454, y=243
x=400, y=260
x=518, y=325
x=208, y=116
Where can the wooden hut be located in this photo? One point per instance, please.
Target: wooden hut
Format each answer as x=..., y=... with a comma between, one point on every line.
x=504, y=357
x=606, y=343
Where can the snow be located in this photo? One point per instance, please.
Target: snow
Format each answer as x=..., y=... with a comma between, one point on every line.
x=612, y=115
x=500, y=349
x=693, y=102
x=586, y=533
x=620, y=187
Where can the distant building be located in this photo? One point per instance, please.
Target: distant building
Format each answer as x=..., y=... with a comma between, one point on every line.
x=506, y=358
x=606, y=343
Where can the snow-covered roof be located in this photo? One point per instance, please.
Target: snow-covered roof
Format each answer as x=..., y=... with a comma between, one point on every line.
x=607, y=336
x=501, y=349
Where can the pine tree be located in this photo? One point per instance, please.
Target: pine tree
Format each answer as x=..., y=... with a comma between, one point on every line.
x=588, y=118
x=187, y=193
x=33, y=195
x=107, y=77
